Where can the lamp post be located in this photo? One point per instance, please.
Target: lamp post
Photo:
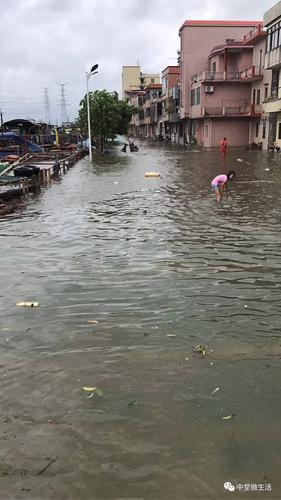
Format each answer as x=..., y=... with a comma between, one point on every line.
x=88, y=75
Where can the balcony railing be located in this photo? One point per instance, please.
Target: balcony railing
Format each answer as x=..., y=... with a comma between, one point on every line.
x=252, y=73
x=246, y=110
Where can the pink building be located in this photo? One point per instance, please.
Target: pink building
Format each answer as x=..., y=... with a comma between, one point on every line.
x=217, y=74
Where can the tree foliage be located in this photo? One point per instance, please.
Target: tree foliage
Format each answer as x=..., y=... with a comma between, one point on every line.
x=109, y=116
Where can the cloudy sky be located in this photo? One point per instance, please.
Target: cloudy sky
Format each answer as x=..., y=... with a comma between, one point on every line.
x=45, y=43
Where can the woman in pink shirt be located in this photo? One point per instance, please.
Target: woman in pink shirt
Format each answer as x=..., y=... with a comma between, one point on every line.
x=219, y=183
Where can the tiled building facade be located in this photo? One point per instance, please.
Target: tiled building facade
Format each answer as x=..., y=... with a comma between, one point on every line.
x=217, y=90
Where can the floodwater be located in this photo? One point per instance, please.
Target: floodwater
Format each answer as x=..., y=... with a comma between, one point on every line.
x=162, y=268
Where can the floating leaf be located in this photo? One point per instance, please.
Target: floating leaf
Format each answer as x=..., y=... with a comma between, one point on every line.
x=228, y=417
x=92, y=321
x=133, y=402
x=89, y=389
x=215, y=390
x=99, y=392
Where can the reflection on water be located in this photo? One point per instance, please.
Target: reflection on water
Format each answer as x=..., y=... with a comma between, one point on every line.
x=162, y=268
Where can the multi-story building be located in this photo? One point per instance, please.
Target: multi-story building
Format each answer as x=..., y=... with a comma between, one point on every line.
x=260, y=88
x=152, y=108
x=134, y=79
x=272, y=105
x=217, y=74
x=146, y=122
x=170, y=119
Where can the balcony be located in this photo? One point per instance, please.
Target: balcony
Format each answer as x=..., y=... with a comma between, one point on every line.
x=273, y=59
x=252, y=74
x=147, y=120
x=272, y=105
x=230, y=111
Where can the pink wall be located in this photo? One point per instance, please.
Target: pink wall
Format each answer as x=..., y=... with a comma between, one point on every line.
x=196, y=45
x=235, y=130
x=227, y=94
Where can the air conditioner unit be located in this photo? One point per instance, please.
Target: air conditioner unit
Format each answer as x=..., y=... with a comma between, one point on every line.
x=209, y=89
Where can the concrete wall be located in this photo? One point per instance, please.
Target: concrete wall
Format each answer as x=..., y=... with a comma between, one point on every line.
x=130, y=78
x=271, y=14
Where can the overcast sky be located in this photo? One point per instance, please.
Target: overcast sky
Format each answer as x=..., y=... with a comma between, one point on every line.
x=45, y=43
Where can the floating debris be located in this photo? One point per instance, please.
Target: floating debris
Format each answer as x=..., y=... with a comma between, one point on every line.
x=171, y=335
x=28, y=304
x=92, y=321
x=152, y=174
x=215, y=390
x=92, y=391
x=228, y=417
x=240, y=160
x=201, y=349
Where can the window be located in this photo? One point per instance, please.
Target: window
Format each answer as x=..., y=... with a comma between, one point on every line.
x=257, y=129
x=265, y=92
x=192, y=97
x=195, y=96
x=260, y=62
x=258, y=96
x=273, y=39
x=263, y=129
x=152, y=80
x=254, y=97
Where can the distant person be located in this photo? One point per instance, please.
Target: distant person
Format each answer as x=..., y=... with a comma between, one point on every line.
x=131, y=141
x=223, y=146
x=124, y=149
x=219, y=184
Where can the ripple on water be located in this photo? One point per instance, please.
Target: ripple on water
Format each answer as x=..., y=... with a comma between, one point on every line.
x=162, y=268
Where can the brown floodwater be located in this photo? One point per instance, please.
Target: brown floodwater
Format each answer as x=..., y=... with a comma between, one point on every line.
x=161, y=268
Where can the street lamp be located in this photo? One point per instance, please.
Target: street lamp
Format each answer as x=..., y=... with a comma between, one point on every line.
x=88, y=75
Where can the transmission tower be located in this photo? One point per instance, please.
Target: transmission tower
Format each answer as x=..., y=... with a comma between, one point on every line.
x=47, y=106
x=63, y=104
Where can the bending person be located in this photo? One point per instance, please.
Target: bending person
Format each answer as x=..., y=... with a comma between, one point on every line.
x=219, y=183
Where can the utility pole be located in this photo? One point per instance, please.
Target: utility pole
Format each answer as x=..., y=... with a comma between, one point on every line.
x=63, y=103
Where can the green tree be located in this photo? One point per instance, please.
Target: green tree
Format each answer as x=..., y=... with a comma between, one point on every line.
x=109, y=116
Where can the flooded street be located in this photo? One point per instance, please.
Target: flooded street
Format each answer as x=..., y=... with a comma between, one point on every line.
x=162, y=269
